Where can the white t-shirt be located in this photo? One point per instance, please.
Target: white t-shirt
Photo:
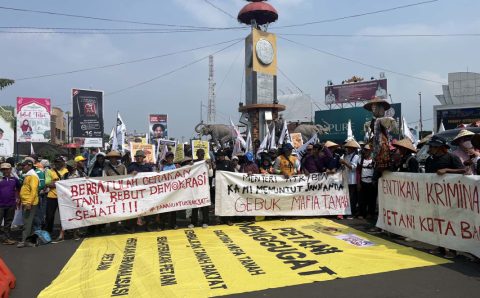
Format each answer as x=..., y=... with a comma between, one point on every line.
x=353, y=159
x=367, y=171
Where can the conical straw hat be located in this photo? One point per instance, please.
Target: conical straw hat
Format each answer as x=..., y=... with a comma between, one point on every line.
x=461, y=134
x=329, y=144
x=405, y=143
x=352, y=144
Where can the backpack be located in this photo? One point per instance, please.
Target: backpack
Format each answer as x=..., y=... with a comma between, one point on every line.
x=41, y=178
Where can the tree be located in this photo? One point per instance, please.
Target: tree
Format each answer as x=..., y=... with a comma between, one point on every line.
x=5, y=82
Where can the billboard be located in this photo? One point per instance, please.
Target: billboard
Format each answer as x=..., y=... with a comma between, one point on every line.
x=453, y=117
x=337, y=121
x=351, y=92
x=157, y=127
x=33, y=119
x=7, y=133
x=87, y=124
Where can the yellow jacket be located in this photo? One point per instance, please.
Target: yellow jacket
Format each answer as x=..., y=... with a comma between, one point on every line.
x=52, y=176
x=29, y=190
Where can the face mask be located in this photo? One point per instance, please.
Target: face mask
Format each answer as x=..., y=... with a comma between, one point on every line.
x=467, y=144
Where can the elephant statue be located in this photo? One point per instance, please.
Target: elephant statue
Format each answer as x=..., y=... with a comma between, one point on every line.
x=219, y=133
x=309, y=130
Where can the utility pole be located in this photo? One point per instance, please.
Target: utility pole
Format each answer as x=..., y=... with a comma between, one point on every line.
x=211, y=114
x=421, y=120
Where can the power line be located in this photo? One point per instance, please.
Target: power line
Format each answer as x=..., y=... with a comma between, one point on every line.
x=219, y=9
x=172, y=71
x=104, y=32
x=109, y=19
x=362, y=63
x=127, y=62
x=291, y=82
x=357, y=15
x=229, y=69
x=383, y=35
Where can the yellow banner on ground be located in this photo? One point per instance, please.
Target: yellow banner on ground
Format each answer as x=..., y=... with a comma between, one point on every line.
x=221, y=260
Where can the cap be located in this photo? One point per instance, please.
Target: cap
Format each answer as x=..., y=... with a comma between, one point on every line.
x=45, y=163
x=437, y=141
x=405, y=143
x=288, y=146
x=463, y=133
x=113, y=153
x=27, y=162
x=220, y=153
x=235, y=158
x=5, y=165
x=249, y=156
x=169, y=153
x=58, y=159
x=140, y=153
x=79, y=158
x=367, y=147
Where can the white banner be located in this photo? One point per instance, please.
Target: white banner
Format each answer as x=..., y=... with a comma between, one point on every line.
x=273, y=195
x=87, y=201
x=439, y=210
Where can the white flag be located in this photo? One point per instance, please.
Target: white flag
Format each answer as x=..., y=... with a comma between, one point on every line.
x=303, y=149
x=441, y=127
x=32, y=152
x=249, y=145
x=118, y=140
x=237, y=148
x=406, y=131
x=264, y=144
x=285, y=135
x=349, y=131
x=272, y=143
x=237, y=135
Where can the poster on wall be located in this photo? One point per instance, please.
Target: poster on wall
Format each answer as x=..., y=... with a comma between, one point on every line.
x=157, y=127
x=33, y=119
x=6, y=132
x=87, y=124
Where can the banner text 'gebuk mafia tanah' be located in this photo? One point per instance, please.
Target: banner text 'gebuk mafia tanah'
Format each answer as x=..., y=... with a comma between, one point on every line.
x=87, y=201
x=270, y=195
x=439, y=210
x=87, y=124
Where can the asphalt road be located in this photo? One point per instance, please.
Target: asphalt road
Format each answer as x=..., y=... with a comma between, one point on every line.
x=36, y=267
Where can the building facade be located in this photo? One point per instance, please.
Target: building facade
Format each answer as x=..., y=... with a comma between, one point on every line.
x=58, y=126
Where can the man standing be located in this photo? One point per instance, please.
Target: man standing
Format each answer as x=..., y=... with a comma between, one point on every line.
x=286, y=164
x=139, y=166
x=171, y=216
x=408, y=162
x=55, y=174
x=442, y=162
x=29, y=200
x=309, y=162
x=204, y=210
x=350, y=162
x=9, y=187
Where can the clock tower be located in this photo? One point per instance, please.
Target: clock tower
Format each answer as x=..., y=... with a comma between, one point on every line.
x=261, y=104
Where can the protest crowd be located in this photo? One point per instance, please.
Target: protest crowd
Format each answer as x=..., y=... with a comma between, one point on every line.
x=29, y=199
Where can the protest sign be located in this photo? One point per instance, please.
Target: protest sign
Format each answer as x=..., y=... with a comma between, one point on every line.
x=179, y=153
x=224, y=260
x=273, y=195
x=87, y=124
x=33, y=119
x=86, y=201
x=439, y=210
x=157, y=127
x=297, y=140
x=148, y=149
x=199, y=144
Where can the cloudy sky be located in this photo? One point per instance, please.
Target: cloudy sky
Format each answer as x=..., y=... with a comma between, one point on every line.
x=179, y=93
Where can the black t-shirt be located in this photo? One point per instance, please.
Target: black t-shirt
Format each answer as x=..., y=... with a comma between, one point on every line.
x=224, y=165
x=135, y=167
x=409, y=164
x=446, y=161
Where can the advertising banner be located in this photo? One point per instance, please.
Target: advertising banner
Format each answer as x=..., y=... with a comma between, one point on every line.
x=87, y=124
x=33, y=119
x=148, y=149
x=224, y=260
x=337, y=121
x=452, y=118
x=199, y=144
x=272, y=195
x=440, y=210
x=7, y=133
x=351, y=92
x=86, y=201
x=158, y=127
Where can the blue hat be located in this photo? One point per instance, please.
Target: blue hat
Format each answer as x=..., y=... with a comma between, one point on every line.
x=288, y=146
x=249, y=156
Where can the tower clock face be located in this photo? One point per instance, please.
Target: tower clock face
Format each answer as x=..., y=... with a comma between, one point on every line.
x=265, y=52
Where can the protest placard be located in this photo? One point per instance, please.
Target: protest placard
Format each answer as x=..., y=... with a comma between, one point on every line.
x=297, y=140
x=199, y=144
x=179, y=153
x=148, y=149
x=439, y=210
x=87, y=201
x=273, y=195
